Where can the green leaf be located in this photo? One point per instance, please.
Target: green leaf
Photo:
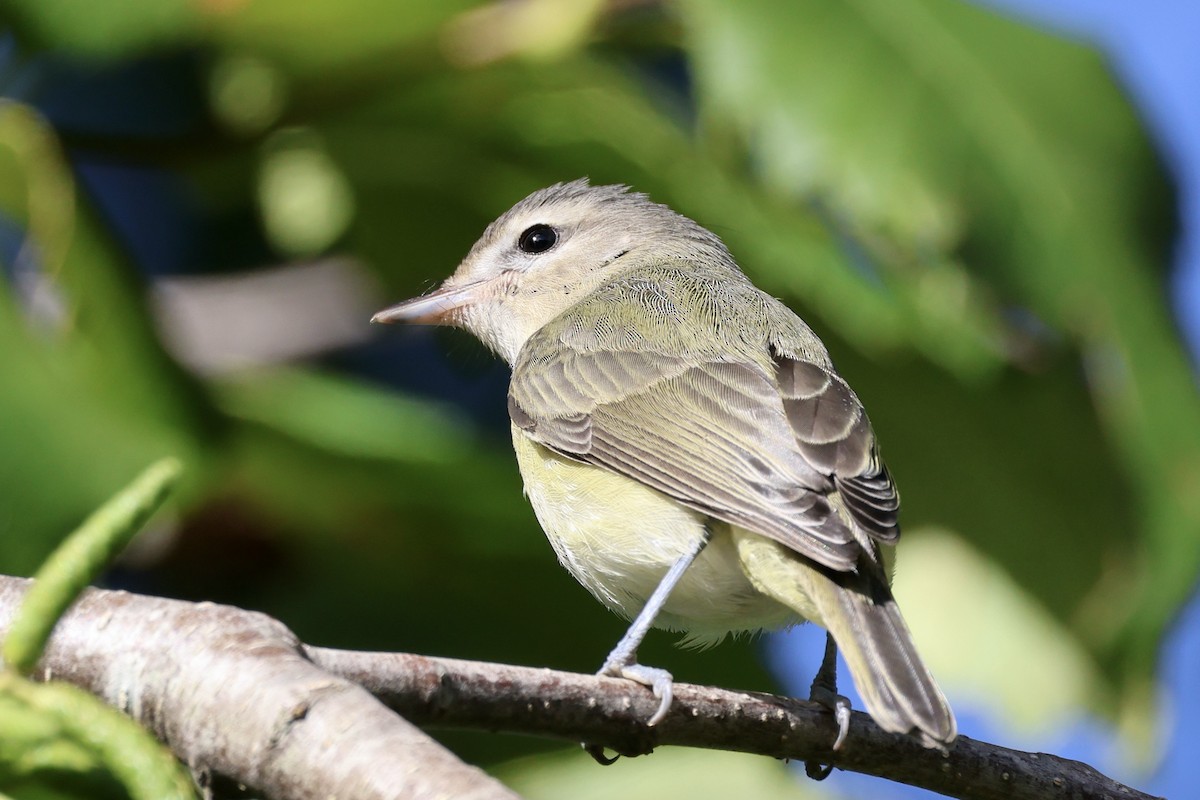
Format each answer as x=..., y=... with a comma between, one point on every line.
x=79, y=559
x=944, y=137
x=60, y=738
x=349, y=418
x=89, y=395
x=105, y=30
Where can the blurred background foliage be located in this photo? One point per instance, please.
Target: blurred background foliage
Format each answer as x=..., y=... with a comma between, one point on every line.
x=201, y=203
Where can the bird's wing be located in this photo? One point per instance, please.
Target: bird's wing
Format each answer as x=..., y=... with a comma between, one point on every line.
x=835, y=437
x=760, y=449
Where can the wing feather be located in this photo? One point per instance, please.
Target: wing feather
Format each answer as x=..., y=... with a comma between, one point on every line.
x=760, y=441
x=833, y=432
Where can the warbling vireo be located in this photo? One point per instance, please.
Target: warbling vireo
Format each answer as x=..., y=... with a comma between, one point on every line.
x=694, y=458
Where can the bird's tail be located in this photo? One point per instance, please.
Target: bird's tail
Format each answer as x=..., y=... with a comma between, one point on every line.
x=859, y=610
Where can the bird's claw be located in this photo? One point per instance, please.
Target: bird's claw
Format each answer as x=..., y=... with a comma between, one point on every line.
x=596, y=751
x=824, y=691
x=840, y=706
x=657, y=680
x=841, y=713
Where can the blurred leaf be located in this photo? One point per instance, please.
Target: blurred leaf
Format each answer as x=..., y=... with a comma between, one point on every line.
x=59, y=737
x=926, y=121
x=939, y=126
x=1040, y=677
x=314, y=37
x=106, y=30
x=494, y=31
x=96, y=399
x=349, y=418
x=80, y=558
x=247, y=93
x=53, y=735
x=37, y=188
x=38, y=761
x=669, y=772
x=306, y=202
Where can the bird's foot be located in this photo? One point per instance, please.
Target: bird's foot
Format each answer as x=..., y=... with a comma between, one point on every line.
x=839, y=705
x=658, y=680
x=824, y=691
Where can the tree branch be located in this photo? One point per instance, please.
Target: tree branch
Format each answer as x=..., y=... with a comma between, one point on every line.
x=230, y=692
x=234, y=693
x=609, y=711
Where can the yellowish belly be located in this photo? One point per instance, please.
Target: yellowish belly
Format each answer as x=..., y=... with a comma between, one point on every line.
x=619, y=537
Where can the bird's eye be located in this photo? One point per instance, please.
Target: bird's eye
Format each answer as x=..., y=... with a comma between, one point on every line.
x=537, y=239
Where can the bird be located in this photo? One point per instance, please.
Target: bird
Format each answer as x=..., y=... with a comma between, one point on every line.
x=694, y=458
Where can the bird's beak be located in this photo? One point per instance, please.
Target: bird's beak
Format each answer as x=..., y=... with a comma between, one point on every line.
x=435, y=308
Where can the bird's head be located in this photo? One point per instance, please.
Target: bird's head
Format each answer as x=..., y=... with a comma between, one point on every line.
x=546, y=253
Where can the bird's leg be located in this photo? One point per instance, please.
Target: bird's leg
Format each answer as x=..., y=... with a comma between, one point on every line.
x=824, y=691
x=622, y=661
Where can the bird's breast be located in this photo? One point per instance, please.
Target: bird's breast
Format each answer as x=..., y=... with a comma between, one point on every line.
x=618, y=537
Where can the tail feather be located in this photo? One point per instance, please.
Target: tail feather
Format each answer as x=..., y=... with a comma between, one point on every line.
x=859, y=610
x=897, y=687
